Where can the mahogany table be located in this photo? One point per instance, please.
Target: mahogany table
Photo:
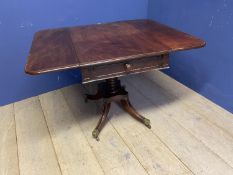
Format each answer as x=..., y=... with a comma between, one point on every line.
x=106, y=52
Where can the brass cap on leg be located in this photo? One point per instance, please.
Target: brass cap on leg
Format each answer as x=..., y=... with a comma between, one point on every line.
x=147, y=123
x=95, y=134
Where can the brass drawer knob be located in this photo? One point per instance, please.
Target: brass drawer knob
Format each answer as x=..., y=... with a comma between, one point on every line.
x=128, y=66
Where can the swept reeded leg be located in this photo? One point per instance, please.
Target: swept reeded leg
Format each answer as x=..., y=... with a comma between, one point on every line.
x=112, y=91
x=102, y=120
x=125, y=104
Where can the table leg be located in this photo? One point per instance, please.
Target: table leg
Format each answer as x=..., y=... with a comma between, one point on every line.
x=102, y=120
x=112, y=91
x=126, y=105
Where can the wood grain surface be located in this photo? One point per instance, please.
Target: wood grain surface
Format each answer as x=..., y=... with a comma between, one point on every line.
x=51, y=134
x=74, y=47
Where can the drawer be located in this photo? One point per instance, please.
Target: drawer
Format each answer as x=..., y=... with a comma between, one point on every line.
x=110, y=70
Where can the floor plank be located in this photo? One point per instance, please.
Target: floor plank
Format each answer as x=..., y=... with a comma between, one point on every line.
x=35, y=148
x=191, y=151
x=150, y=151
x=154, y=156
x=8, y=144
x=214, y=113
x=111, y=152
x=52, y=133
x=212, y=136
x=74, y=153
x=197, y=123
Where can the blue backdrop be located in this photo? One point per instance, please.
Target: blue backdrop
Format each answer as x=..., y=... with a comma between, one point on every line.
x=208, y=71
x=20, y=19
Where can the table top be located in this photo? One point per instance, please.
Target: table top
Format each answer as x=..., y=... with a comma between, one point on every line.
x=74, y=47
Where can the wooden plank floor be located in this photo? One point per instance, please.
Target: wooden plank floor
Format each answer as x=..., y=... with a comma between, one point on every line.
x=51, y=134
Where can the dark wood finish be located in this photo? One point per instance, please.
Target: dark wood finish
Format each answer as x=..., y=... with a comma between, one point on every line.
x=128, y=107
x=51, y=50
x=102, y=120
x=112, y=91
x=105, y=71
x=76, y=47
x=107, y=51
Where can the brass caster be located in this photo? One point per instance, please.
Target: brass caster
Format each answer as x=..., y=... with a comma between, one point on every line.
x=147, y=123
x=95, y=134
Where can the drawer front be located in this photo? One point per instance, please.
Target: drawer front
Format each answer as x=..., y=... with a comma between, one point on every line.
x=105, y=71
